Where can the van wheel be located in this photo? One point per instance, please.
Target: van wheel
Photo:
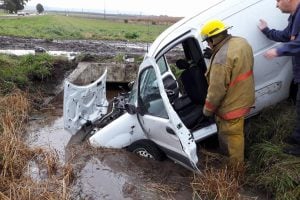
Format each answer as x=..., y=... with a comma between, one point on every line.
x=146, y=149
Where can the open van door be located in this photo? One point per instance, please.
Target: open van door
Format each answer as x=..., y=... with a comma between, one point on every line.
x=158, y=119
x=84, y=104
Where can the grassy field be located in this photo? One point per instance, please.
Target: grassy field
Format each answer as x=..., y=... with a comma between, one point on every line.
x=71, y=27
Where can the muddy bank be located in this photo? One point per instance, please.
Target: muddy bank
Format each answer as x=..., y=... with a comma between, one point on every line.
x=96, y=47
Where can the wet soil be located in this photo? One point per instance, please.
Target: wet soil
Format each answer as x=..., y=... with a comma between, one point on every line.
x=94, y=47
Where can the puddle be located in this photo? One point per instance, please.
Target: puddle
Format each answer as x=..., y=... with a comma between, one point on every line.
x=50, y=135
x=100, y=182
x=107, y=173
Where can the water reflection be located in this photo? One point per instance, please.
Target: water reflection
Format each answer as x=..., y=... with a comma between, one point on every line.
x=69, y=55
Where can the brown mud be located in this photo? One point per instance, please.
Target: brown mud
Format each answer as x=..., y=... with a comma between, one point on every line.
x=94, y=47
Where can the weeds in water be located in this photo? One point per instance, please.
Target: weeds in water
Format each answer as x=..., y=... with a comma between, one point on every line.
x=15, y=155
x=217, y=181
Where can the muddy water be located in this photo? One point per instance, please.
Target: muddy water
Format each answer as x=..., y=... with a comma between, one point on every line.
x=69, y=55
x=112, y=174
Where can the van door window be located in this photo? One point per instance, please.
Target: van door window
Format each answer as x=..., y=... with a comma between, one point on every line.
x=149, y=95
x=188, y=66
x=162, y=65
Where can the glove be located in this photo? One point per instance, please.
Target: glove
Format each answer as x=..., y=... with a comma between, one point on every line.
x=207, y=113
x=207, y=52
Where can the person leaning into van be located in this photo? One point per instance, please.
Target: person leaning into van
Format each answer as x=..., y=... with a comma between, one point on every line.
x=231, y=90
x=291, y=47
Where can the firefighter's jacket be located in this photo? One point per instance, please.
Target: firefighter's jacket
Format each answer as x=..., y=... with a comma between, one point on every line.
x=231, y=90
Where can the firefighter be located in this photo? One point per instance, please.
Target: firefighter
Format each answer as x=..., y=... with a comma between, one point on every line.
x=231, y=90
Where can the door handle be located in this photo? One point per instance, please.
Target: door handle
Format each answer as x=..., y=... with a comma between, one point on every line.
x=169, y=130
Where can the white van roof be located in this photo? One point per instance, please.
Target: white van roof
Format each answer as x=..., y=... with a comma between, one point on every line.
x=243, y=15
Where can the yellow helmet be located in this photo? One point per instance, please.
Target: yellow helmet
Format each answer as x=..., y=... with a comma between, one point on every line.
x=211, y=28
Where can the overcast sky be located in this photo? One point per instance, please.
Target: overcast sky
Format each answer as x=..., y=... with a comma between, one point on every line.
x=155, y=7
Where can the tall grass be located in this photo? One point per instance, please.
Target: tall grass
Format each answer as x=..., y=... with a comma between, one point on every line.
x=217, y=180
x=269, y=168
x=15, y=155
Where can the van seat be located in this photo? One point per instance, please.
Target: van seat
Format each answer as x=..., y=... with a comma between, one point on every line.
x=189, y=113
x=189, y=106
x=193, y=80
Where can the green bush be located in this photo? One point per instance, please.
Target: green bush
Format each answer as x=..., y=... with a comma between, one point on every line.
x=133, y=35
x=37, y=66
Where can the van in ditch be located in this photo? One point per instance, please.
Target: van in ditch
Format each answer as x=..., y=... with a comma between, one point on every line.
x=162, y=115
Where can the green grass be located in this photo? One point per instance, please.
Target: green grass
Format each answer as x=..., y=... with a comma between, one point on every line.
x=268, y=167
x=67, y=27
x=25, y=71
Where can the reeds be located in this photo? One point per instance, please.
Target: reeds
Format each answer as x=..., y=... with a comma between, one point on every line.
x=217, y=180
x=15, y=155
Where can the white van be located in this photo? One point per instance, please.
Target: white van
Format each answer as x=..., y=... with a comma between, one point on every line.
x=160, y=117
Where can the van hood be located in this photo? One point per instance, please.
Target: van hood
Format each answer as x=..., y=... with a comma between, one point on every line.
x=84, y=104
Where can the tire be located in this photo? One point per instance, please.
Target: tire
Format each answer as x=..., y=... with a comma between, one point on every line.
x=146, y=149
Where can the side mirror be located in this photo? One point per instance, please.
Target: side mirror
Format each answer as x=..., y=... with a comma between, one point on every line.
x=131, y=109
x=130, y=85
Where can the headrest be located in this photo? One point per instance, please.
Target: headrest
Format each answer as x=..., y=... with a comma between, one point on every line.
x=182, y=64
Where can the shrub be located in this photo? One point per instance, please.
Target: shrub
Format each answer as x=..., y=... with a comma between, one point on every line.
x=133, y=35
x=38, y=66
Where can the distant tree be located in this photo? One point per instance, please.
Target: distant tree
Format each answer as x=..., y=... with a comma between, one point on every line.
x=39, y=8
x=12, y=6
x=1, y=4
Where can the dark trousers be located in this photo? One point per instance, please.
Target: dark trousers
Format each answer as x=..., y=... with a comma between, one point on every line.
x=296, y=133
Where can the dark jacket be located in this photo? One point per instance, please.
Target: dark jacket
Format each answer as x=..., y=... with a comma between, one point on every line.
x=291, y=38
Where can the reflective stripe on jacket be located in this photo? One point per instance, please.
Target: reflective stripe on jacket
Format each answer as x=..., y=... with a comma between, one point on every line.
x=231, y=90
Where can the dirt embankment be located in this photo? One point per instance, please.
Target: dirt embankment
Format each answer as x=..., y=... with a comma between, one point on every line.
x=96, y=47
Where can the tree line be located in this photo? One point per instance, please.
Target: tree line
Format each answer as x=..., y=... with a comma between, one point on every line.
x=12, y=6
